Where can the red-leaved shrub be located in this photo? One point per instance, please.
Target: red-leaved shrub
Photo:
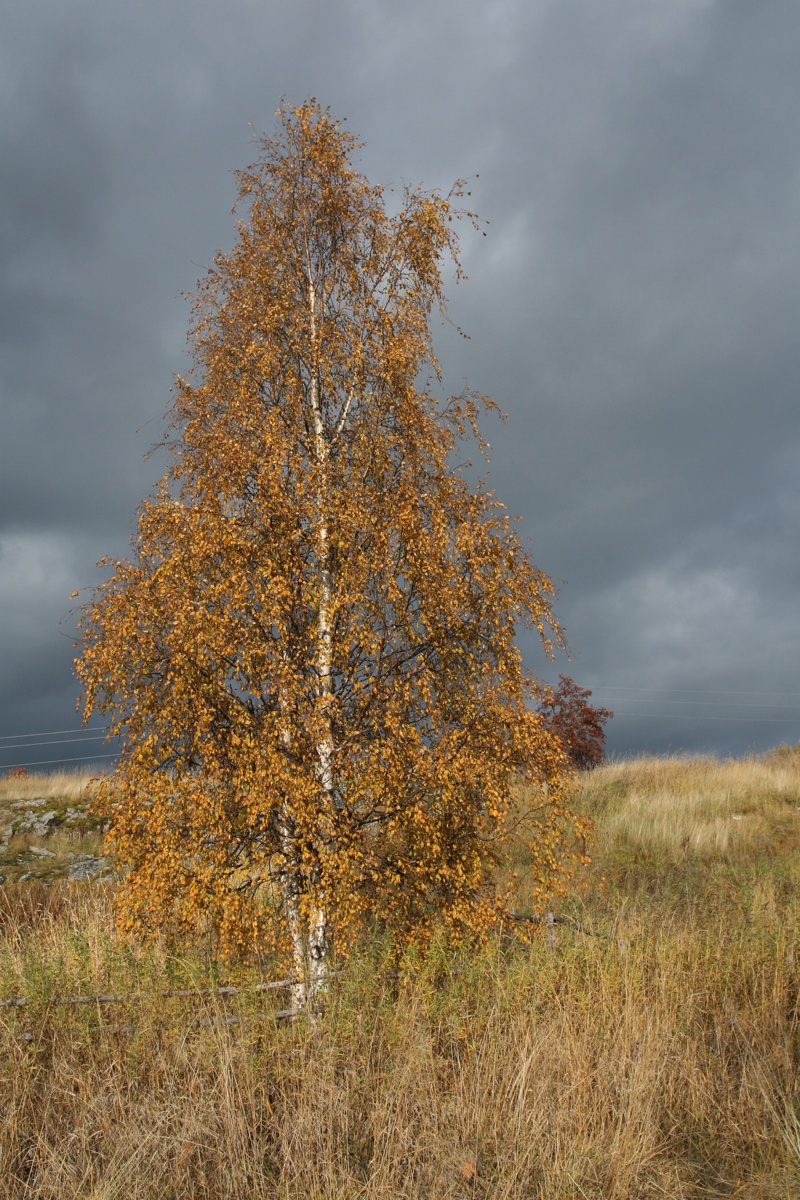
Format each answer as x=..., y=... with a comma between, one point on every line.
x=578, y=724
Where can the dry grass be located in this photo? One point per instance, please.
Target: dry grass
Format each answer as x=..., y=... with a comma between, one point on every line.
x=68, y=787
x=731, y=809
x=657, y=1060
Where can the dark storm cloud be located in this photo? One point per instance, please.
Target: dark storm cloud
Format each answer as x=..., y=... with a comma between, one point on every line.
x=655, y=355
x=633, y=308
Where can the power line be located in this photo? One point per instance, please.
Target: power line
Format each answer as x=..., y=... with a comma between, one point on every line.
x=52, y=732
x=627, y=687
x=701, y=717
x=49, y=761
x=717, y=703
x=54, y=742
x=101, y=733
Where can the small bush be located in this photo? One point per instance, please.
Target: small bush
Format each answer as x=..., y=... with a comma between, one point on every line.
x=577, y=723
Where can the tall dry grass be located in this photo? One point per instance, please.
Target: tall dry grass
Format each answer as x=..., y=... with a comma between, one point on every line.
x=658, y=1059
x=731, y=809
x=66, y=786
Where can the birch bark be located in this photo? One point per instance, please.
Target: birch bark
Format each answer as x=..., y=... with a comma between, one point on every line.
x=291, y=889
x=319, y=935
x=290, y=895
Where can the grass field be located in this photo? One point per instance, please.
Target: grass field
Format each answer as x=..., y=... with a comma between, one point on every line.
x=652, y=1053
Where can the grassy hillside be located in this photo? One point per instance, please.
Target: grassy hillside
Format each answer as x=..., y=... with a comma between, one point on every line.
x=47, y=831
x=653, y=1052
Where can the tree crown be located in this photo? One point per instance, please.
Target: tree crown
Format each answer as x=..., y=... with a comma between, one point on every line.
x=310, y=655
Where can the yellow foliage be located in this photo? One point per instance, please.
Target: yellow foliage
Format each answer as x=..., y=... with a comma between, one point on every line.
x=311, y=654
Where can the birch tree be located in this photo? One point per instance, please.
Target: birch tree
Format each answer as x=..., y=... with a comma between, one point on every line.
x=310, y=655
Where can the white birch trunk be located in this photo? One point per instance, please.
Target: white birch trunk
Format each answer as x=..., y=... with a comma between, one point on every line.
x=291, y=892
x=290, y=895
x=319, y=939
x=319, y=951
x=311, y=946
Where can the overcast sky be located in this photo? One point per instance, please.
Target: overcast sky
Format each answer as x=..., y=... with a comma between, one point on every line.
x=634, y=308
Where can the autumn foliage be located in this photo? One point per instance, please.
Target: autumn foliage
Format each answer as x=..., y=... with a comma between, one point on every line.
x=16, y=773
x=310, y=655
x=578, y=724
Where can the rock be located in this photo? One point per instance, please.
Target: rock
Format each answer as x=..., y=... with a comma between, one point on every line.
x=88, y=867
x=40, y=850
x=38, y=824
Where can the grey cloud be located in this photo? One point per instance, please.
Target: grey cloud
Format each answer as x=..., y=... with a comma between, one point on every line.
x=54, y=160
x=633, y=308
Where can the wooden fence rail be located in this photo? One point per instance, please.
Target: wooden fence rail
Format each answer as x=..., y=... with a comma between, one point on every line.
x=548, y=920
x=122, y=997
x=19, y=1002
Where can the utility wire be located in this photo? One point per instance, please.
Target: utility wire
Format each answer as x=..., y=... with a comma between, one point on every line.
x=652, y=716
x=54, y=742
x=626, y=687
x=101, y=733
x=717, y=703
x=49, y=761
x=52, y=732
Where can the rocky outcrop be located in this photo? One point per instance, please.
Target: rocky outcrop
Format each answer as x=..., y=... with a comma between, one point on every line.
x=37, y=824
x=90, y=866
x=26, y=824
